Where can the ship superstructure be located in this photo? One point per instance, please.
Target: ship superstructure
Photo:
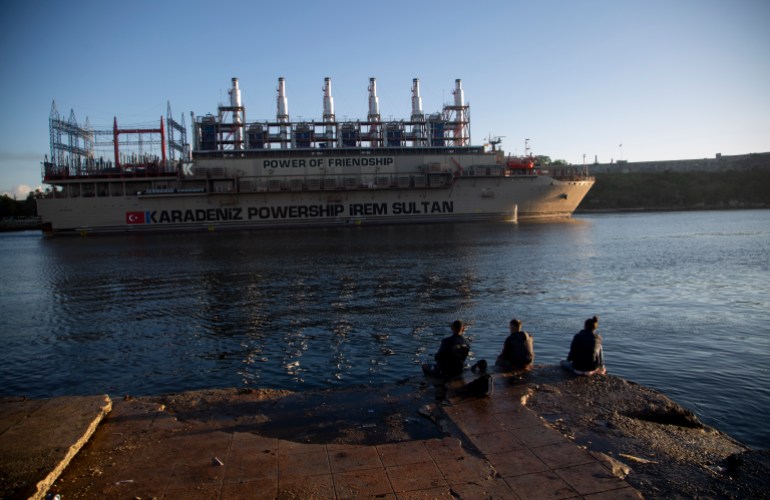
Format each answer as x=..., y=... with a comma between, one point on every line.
x=270, y=173
x=229, y=131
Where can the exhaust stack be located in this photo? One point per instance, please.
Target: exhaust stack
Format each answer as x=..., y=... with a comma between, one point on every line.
x=282, y=114
x=416, y=100
x=328, y=100
x=461, y=117
x=235, y=102
x=458, y=93
x=374, y=101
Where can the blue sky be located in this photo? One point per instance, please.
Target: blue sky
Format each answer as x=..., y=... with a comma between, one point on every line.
x=666, y=79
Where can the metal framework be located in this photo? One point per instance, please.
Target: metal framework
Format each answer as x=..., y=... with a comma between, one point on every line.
x=137, y=150
x=176, y=145
x=78, y=149
x=141, y=158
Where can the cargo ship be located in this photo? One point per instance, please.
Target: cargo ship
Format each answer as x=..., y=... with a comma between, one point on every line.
x=238, y=174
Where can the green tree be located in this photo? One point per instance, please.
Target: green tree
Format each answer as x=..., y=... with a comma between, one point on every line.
x=29, y=206
x=8, y=206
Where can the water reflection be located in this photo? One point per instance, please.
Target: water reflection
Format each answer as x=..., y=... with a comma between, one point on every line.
x=318, y=308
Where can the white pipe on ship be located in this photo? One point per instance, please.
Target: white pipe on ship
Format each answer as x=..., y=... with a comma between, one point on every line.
x=328, y=108
x=282, y=114
x=416, y=100
x=458, y=93
x=328, y=100
x=235, y=94
x=374, y=101
x=460, y=116
x=235, y=102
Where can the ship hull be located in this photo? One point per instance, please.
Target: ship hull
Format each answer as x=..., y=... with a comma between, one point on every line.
x=236, y=174
x=504, y=198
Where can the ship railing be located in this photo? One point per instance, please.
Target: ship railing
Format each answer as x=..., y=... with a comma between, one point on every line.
x=90, y=170
x=571, y=174
x=431, y=178
x=522, y=172
x=344, y=183
x=485, y=171
x=208, y=172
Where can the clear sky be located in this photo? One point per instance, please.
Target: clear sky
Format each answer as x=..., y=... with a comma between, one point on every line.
x=667, y=79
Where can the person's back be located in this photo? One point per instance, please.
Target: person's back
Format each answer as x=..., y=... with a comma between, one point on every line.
x=518, y=349
x=451, y=355
x=585, y=352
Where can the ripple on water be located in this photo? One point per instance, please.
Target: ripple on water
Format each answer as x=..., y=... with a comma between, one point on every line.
x=683, y=302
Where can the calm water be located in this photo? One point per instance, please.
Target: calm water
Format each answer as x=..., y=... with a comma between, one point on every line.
x=684, y=302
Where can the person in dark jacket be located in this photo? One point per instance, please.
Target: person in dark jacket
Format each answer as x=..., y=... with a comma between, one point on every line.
x=585, y=353
x=450, y=358
x=518, y=349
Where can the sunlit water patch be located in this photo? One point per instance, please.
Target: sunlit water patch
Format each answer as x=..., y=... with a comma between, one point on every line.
x=682, y=297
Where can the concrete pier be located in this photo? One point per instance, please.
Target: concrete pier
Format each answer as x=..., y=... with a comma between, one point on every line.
x=39, y=438
x=492, y=447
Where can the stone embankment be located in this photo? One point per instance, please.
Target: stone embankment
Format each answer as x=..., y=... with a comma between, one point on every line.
x=720, y=163
x=719, y=183
x=20, y=223
x=546, y=433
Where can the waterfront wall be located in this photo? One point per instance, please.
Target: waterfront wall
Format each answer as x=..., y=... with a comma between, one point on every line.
x=719, y=163
x=683, y=190
x=21, y=223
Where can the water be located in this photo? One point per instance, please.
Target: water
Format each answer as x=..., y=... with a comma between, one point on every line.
x=683, y=300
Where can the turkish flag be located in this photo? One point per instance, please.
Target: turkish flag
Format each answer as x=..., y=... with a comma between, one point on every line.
x=134, y=217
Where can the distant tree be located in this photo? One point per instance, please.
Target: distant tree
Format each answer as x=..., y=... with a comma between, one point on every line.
x=543, y=160
x=559, y=163
x=29, y=206
x=8, y=206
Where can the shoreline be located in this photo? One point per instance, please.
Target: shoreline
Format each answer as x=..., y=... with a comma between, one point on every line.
x=656, y=446
x=579, y=211
x=664, y=209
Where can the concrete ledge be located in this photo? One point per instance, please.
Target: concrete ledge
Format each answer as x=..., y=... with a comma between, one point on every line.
x=545, y=433
x=38, y=438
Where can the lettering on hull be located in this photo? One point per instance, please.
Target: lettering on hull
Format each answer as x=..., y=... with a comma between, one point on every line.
x=378, y=161
x=288, y=212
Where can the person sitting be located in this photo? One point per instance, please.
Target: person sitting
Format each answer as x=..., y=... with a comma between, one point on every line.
x=450, y=358
x=518, y=350
x=585, y=353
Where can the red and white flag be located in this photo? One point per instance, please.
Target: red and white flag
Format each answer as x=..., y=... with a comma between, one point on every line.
x=134, y=217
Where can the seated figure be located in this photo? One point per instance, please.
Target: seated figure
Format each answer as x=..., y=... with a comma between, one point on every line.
x=585, y=353
x=518, y=349
x=450, y=358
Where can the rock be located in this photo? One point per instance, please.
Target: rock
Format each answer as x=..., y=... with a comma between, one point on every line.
x=670, y=415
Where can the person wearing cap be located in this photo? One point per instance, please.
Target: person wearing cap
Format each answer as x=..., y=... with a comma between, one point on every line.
x=585, y=353
x=518, y=349
x=450, y=358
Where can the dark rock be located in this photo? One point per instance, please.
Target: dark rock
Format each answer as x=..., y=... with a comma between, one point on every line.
x=672, y=415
